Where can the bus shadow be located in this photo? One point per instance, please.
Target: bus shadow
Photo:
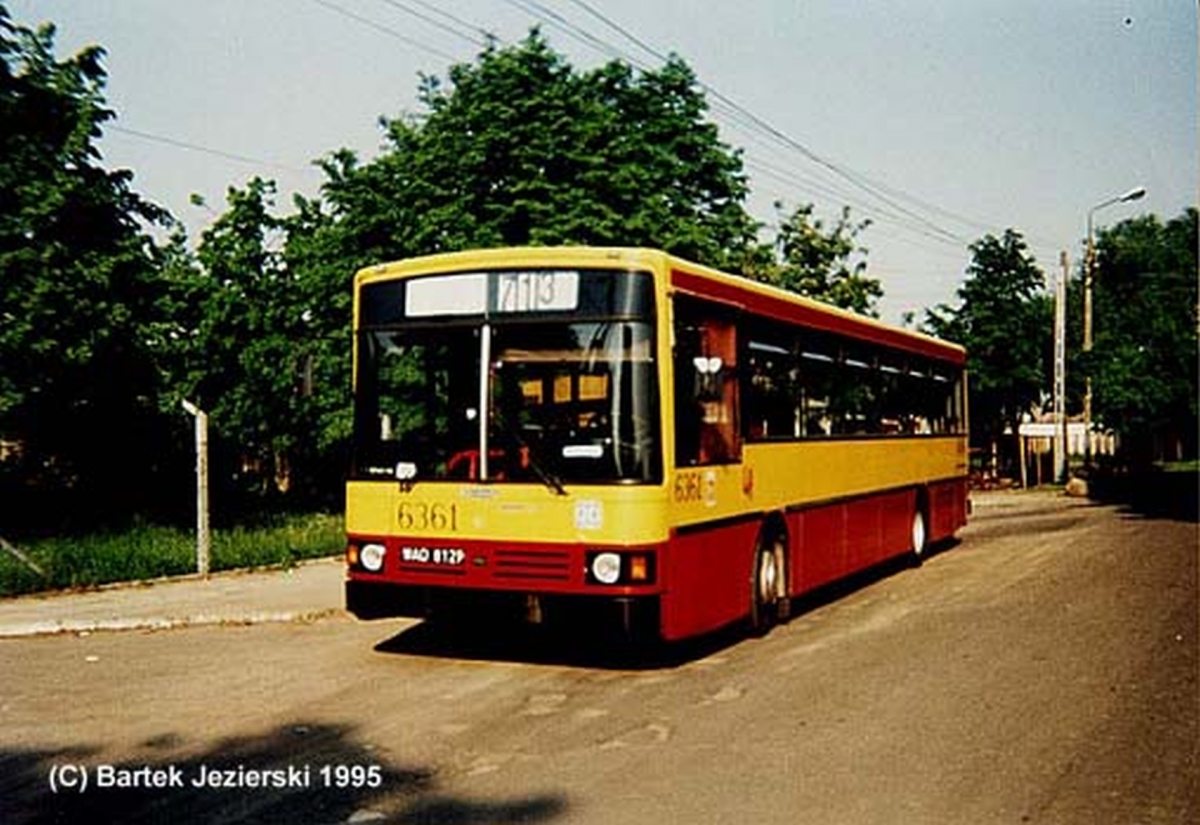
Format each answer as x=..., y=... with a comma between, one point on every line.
x=561, y=645
x=590, y=646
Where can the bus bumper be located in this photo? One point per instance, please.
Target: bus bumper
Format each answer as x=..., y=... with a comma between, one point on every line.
x=634, y=615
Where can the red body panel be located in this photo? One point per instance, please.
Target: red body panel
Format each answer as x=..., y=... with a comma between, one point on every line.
x=829, y=542
x=487, y=565
x=707, y=577
x=947, y=508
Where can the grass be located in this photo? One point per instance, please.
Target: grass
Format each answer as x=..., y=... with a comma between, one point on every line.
x=150, y=551
x=1180, y=466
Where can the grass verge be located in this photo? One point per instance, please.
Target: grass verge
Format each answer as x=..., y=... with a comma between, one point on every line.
x=150, y=551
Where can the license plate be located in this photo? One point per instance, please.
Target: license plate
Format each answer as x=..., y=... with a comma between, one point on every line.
x=439, y=556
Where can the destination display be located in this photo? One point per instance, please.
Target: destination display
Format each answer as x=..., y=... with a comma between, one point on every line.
x=508, y=293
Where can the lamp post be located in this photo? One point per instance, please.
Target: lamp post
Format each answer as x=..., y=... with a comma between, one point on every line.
x=1089, y=266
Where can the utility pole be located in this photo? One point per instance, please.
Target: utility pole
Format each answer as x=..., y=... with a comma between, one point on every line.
x=1060, y=372
x=1089, y=261
x=203, y=537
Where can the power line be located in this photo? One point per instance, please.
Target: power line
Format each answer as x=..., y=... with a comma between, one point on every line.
x=738, y=115
x=466, y=24
x=407, y=9
x=637, y=41
x=879, y=191
x=888, y=202
x=379, y=27
x=556, y=20
x=207, y=150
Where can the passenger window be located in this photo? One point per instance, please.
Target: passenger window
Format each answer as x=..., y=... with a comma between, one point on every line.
x=770, y=392
x=706, y=386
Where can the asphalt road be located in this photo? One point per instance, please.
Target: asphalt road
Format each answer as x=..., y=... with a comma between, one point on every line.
x=1043, y=669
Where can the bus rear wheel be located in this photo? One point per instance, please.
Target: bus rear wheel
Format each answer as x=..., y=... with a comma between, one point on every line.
x=920, y=535
x=769, y=602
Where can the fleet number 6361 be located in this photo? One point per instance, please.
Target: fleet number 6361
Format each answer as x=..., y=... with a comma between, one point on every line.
x=415, y=515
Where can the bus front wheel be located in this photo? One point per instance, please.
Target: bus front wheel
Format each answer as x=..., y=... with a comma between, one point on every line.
x=769, y=602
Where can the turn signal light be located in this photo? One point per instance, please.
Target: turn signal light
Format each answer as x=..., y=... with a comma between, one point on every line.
x=638, y=569
x=613, y=567
x=352, y=555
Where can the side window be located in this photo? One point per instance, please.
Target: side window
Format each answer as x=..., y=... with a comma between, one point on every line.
x=770, y=389
x=857, y=392
x=706, y=385
x=819, y=385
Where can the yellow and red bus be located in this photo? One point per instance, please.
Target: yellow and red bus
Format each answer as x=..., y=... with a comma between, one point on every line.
x=620, y=431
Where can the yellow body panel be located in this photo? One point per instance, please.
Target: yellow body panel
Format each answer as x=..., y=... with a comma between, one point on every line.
x=614, y=515
x=776, y=476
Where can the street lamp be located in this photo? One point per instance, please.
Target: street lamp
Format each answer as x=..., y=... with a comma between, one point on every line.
x=1089, y=266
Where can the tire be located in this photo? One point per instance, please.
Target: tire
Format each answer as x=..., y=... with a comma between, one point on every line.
x=769, y=602
x=919, y=535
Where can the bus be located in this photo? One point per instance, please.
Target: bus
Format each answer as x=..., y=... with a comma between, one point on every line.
x=623, y=435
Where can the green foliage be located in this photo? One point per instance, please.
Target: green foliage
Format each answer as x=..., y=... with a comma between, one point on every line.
x=262, y=344
x=78, y=286
x=819, y=263
x=149, y=551
x=520, y=148
x=1144, y=359
x=1005, y=321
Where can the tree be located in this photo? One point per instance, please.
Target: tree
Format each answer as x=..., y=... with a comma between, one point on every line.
x=520, y=148
x=1004, y=320
x=263, y=349
x=78, y=392
x=818, y=263
x=1143, y=364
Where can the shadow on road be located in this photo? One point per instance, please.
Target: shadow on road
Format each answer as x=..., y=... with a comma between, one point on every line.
x=1156, y=494
x=553, y=644
x=583, y=645
x=304, y=774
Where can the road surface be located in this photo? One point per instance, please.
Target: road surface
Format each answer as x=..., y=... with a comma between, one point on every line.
x=1043, y=669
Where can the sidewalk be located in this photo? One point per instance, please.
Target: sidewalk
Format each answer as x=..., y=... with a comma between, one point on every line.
x=308, y=591
x=1016, y=498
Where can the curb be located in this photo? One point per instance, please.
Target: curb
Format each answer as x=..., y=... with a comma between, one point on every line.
x=84, y=626
x=306, y=592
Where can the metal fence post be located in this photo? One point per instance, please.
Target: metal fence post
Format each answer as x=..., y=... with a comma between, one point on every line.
x=203, y=537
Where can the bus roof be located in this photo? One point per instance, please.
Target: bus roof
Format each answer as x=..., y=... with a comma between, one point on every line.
x=516, y=257
x=684, y=277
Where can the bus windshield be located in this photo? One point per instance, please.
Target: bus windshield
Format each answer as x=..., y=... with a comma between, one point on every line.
x=565, y=402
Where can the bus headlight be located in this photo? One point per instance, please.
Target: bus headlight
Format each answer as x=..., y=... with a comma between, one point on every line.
x=606, y=568
x=371, y=557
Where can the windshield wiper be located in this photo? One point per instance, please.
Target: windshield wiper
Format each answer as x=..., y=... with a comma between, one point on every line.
x=548, y=478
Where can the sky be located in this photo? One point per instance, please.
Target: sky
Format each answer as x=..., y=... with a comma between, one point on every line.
x=939, y=120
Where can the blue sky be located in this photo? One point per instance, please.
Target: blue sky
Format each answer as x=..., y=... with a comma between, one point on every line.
x=938, y=119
